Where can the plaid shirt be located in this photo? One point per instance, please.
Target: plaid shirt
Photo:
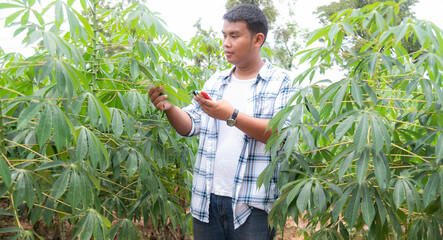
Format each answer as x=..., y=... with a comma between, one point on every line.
x=270, y=93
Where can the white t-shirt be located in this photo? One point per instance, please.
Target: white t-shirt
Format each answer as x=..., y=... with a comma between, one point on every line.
x=230, y=139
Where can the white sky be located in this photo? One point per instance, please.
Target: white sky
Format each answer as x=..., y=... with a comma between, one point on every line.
x=181, y=15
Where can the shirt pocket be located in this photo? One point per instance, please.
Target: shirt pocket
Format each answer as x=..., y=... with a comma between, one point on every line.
x=264, y=104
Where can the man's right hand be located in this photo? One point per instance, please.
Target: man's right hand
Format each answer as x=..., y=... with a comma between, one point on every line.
x=178, y=118
x=159, y=99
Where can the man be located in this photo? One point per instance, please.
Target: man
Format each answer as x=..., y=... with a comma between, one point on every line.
x=226, y=201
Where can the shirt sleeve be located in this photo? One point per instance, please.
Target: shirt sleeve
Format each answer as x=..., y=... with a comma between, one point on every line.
x=287, y=91
x=194, y=112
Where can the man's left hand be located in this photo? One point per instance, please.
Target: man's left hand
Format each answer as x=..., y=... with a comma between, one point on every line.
x=221, y=109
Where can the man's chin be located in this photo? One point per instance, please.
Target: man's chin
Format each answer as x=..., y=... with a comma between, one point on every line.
x=230, y=60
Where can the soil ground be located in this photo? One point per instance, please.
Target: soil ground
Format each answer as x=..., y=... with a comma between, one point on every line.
x=53, y=233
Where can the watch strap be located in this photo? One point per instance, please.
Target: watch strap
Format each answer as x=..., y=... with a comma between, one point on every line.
x=234, y=115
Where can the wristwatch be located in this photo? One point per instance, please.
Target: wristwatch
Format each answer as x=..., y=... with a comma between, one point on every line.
x=232, y=120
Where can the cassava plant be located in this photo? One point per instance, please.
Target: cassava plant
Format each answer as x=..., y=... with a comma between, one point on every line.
x=363, y=158
x=80, y=142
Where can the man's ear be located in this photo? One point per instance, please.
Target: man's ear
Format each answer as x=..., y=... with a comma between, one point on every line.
x=259, y=39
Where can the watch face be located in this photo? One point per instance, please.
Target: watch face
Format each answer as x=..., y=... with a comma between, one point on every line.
x=231, y=122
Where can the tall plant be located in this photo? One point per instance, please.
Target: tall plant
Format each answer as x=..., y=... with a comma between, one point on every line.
x=79, y=141
x=369, y=148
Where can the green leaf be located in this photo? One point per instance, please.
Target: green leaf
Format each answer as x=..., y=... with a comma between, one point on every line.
x=5, y=172
x=344, y=127
x=430, y=190
x=345, y=164
x=338, y=98
x=10, y=229
x=319, y=197
x=24, y=189
x=357, y=93
x=441, y=188
x=361, y=134
x=105, y=114
x=128, y=125
x=399, y=193
x=412, y=85
x=420, y=33
x=48, y=165
x=126, y=229
x=381, y=209
x=74, y=191
x=50, y=44
x=297, y=114
x=401, y=32
x=28, y=114
x=291, y=142
x=62, y=133
x=312, y=110
x=25, y=17
x=385, y=133
x=294, y=191
x=177, y=93
x=428, y=93
x=377, y=136
x=142, y=103
x=117, y=123
x=381, y=170
x=83, y=229
x=135, y=71
x=362, y=165
x=307, y=137
x=370, y=92
x=94, y=151
x=44, y=128
x=12, y=17
x=132, y=100
x=304, y=197
x=340, y=203
x=82, y=144
x=61, y=184
x=379, y=20
x=143, y=48
x=367, y=207
x=85, y=22
x=372, y=65
x=439, y=148
x=353, y=208
x=86, y=188
x=387, y=61
x=335, y=28
x=92, y=110
x=9, y=5
x=131, y=164
x=313, y=36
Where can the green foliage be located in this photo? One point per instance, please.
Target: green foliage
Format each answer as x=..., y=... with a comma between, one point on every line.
x=80, y=141
x=326, y=15
x=367, y=161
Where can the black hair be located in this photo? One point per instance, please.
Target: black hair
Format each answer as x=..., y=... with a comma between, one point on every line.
x=255, y=19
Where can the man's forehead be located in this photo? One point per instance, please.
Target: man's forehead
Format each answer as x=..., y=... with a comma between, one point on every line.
x=234, y=27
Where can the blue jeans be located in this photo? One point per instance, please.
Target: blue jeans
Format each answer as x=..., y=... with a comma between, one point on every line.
x=221, y=223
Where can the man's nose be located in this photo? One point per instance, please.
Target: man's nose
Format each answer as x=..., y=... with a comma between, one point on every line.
x=226, y=42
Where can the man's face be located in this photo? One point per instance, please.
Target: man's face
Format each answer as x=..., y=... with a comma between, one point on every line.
x=237, y=43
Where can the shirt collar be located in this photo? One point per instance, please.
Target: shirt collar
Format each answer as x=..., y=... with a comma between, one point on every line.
x=263, y=74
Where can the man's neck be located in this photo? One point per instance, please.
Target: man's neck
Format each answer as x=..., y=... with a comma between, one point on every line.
x=250, y=70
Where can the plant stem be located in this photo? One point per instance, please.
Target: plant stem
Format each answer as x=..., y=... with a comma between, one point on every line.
x=2, y=135
x=17, y=220
x=94, y=45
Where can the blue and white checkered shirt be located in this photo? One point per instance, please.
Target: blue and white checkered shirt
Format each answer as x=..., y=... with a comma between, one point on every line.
x=270, y=93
